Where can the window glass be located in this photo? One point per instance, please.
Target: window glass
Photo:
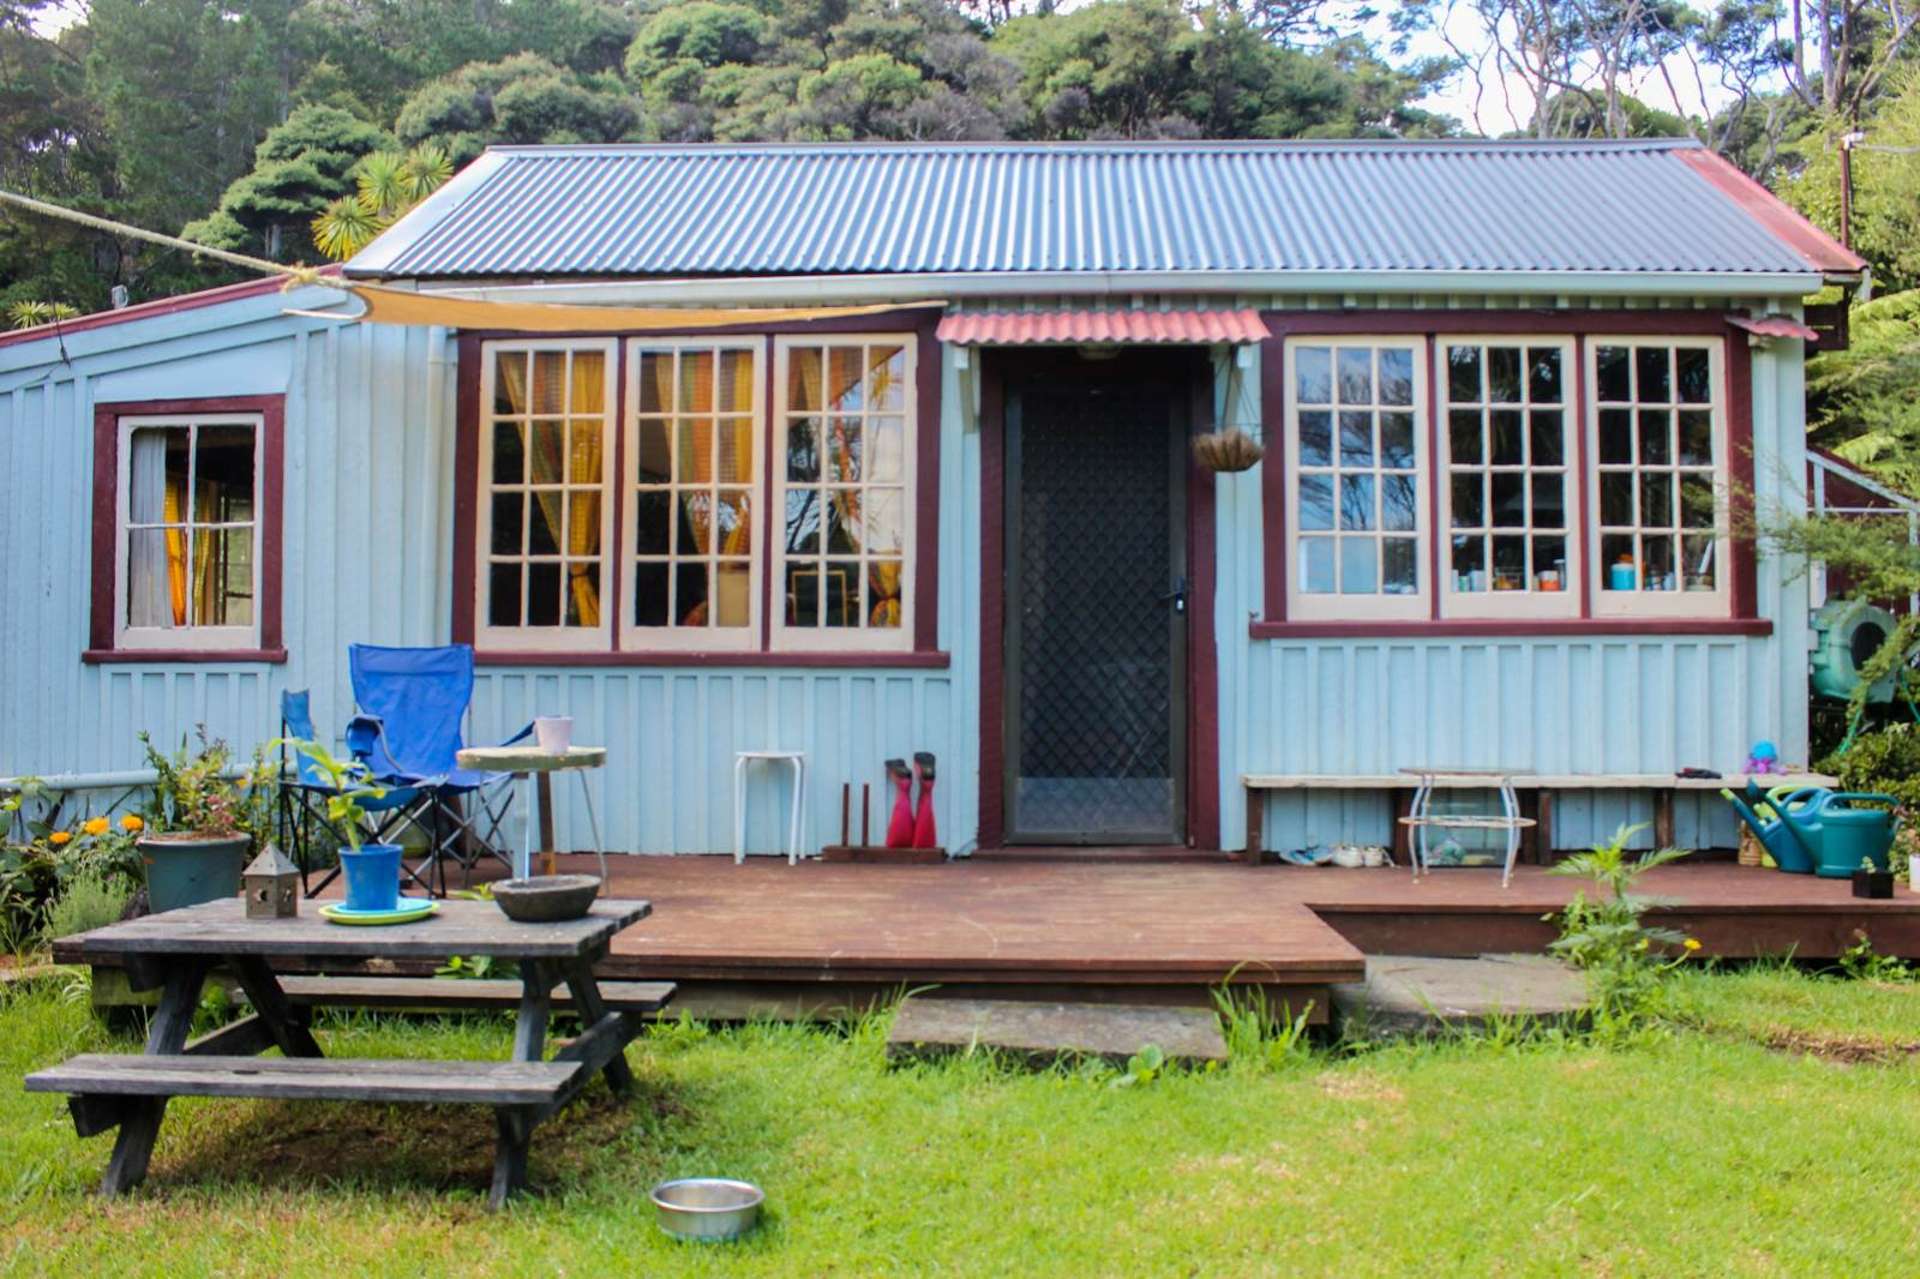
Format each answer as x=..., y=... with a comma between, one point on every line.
x=1657, y=457
x=692, y=537
x=846, y=457
x=1358, y=446
x=547, y=437
x=190, y=531
x=1508, y=518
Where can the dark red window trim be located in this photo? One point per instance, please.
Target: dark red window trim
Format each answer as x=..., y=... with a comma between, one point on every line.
x=102, y=624
x=919, y=321
x=1742, y=591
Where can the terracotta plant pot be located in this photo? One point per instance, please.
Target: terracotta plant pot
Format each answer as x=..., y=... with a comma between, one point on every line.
x=186, y=870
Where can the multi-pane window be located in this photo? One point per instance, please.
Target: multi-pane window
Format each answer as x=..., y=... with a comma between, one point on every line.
x=1356, y=434
x=1658, y=446
x=545, y=522
x=843, y=461
x=1509, y=490
x=189, y=518
x=695, y=462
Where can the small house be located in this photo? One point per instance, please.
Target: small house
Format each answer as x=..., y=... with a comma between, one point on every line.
x=863, y=450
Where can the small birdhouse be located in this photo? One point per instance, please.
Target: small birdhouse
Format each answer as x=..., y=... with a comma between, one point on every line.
x=272, y=885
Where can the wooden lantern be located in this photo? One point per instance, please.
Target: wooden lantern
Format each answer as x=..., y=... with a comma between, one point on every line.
x=271, y=885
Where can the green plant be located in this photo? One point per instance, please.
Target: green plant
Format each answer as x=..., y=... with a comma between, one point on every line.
x=1862, y=962
x=92, y=898
x=1883, y=761
x=1256, y=1033
x=476, y=968
x=1143, y=1067
x=351, y=783
x=1608, y=937
x=197, y=791
x=389, y=184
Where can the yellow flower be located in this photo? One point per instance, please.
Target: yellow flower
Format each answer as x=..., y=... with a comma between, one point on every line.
x=96, y=826
x=1693, y=943
x=59, y=838
x=132, y=822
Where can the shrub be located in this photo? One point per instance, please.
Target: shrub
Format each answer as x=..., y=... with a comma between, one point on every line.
x=1624, y=958
x=91, y=899
x=1886, y=760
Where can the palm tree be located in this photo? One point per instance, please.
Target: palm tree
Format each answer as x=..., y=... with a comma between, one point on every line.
x=389, y=184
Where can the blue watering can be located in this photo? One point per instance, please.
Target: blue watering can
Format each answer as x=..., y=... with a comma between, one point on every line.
x=1767, y=815
x=1843, y=834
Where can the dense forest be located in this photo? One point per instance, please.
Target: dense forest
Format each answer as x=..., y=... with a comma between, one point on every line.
x=296, y=129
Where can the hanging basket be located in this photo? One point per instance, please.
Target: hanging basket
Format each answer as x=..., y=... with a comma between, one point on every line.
x=1227, y=451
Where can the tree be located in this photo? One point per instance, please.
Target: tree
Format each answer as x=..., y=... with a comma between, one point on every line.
x=521, y=99
x=387, y=185
x=1861, y=401
x=300, y=168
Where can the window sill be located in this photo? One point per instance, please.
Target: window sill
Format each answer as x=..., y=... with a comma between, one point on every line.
x=1570, y=627
x=764, y=660
x=178, y=656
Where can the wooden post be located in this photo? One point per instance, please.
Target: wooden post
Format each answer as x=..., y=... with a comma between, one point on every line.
x=1543, y=830
x=1663, y=827
x=543, y=785
x=1256, y=814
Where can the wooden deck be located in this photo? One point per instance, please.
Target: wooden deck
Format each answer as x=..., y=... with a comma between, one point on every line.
x=766, y=936
x=1163, y=930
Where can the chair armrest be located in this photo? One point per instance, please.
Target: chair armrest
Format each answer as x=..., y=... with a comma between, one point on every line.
x=526, y=731
x=367, y=742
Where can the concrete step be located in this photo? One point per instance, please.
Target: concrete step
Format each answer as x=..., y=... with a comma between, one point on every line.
x=1041, y=1033
x=1417, y=994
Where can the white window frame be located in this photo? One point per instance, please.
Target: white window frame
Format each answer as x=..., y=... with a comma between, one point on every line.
x=191, y=637
x=1679, y=602
x=860, y=639
x=562, y=638
x=1336, y=607
x=1528, y=602
x=674, y=637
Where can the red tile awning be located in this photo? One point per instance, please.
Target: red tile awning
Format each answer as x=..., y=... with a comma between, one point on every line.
x=1776, y=326
x=1173, y=328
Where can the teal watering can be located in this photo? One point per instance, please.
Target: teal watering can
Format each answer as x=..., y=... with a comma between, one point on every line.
x=1786, y=844
x=1841, y=835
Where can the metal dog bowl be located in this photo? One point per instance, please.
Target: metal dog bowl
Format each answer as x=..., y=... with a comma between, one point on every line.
x=546, y=899
x=707, y=1209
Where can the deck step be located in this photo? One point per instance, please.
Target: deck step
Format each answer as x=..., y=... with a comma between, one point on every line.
x=490, y=1083
x=1044, y=1032
x=1418, y=994
x=442, y=993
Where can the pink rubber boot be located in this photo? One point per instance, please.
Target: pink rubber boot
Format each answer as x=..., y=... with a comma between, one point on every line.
x=924, y=834
x=900, y=825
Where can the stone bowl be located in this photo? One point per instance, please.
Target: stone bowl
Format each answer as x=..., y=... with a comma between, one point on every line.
x=547, y=899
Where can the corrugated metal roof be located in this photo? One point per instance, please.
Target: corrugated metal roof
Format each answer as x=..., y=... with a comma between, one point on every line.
x=1775, y=326
x=1026, y=328
x=839, y=209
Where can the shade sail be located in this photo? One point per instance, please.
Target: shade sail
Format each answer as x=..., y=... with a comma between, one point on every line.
x=404, y=306
x=1029, y=328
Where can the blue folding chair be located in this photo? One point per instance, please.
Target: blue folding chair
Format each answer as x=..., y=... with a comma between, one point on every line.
x=301, y=805
x=413, y=703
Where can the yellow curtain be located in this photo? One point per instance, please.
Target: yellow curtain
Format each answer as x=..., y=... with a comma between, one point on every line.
x=739, y=539
x=586, y=441
x=885, y=585
x=174, y=510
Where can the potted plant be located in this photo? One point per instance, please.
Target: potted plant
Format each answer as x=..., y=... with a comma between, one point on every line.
x=1871, y=881
x=204, y=822
x=371, y=871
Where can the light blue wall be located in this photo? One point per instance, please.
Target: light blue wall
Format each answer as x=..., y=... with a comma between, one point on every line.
x=368, y=526
x=1549, y=705
x=368, y=549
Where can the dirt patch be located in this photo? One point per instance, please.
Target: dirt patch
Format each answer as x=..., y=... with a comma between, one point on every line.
x=1849, y=1050
x=1358, y=1085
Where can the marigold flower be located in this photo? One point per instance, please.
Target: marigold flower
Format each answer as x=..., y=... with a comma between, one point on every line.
x=96, y=826
x=1693, y=943
x=59, y=838
x=132, y=822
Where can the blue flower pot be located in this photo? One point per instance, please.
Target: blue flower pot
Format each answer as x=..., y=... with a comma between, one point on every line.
x=372, y=875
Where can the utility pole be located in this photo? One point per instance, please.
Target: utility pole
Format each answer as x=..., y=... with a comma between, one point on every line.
x=1847, y=143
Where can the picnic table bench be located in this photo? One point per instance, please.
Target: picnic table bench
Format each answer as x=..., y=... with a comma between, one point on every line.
x=174, y=952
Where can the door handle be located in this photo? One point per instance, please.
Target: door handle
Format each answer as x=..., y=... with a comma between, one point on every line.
x=1178, y=595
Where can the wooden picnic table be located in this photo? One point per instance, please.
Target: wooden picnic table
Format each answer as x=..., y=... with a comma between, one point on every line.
x=174, y=951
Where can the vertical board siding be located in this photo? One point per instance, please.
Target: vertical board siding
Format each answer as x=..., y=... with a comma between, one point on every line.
x=368, y=549
x=1551, y=704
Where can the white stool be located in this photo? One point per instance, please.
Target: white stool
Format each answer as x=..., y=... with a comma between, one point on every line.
x=740, y=761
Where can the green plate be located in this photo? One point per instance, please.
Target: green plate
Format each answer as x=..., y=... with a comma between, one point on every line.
x=412, y=909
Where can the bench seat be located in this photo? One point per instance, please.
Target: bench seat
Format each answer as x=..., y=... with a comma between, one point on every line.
x=487, y=1083
x=477, y=994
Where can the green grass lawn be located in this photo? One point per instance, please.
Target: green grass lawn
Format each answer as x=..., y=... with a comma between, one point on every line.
x=1697, y=1151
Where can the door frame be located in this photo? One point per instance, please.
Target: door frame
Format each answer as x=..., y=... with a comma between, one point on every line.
x=1001, y=369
